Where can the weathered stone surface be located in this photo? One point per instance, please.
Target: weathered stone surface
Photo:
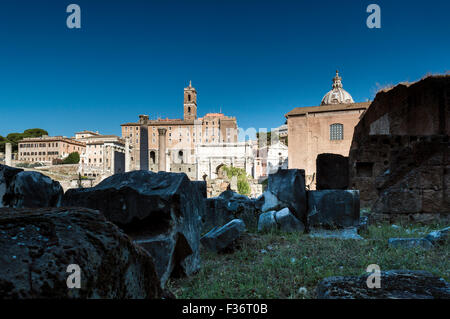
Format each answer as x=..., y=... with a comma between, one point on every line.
x=288, y=186
x=201, y=186
x=344, y=234
x=401, y=169
x=287, y=222
x=395, y=284
x=439, y=237
x=7, y=174
x=267, y=222
x=333, y=208
x=332, y=171
x=270, y=202
x=161, y=211
x=32, y=190
x=37, y=246
x=221, y=238
x=228, y=206
x=410, y=243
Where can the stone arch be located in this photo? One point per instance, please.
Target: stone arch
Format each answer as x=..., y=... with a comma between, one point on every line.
x=219, y=171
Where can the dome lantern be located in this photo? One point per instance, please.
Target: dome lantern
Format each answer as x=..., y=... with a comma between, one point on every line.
x=337, y=95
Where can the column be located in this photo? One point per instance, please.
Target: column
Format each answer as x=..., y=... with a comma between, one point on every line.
x=8, y=154
x=162, y=149
x=112, y=159
x=127, y=155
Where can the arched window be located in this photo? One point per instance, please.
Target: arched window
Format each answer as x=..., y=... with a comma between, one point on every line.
x=336, y=132
x=152, y=157
x=189, y=97
x=189, y=109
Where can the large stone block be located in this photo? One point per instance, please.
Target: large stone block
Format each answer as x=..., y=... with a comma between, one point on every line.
x=221, y=238
x=267, y=222
x=7, y=174
x=395, y=284
x=162, y=211
x=228, y=206
x=410, y=243
x=20, y=189
x=332, y=171
x=333, y=208
x=288, y=186
x=37, y=246
x=287, y=222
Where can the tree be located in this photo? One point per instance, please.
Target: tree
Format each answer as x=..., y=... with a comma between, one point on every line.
x=14, y=138
x=242, y=179
x=3, y=141
x=72, y=158
x=34, y=132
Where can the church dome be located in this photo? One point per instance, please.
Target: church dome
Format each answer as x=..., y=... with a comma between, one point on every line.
x=337, y=95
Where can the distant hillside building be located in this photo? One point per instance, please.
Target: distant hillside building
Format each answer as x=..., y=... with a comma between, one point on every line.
x=327, y=128
x=45, y=149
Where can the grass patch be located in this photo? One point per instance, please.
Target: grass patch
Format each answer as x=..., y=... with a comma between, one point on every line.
x=278, y=265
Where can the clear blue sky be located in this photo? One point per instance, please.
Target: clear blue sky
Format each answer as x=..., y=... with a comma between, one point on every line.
x=255, y=60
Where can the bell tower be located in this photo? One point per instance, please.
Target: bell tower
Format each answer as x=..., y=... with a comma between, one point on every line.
x=190, y=103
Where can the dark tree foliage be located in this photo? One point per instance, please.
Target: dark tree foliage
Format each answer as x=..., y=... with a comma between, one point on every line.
x=14, y=138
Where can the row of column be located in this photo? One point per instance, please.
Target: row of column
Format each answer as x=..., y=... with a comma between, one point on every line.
x=161, y=151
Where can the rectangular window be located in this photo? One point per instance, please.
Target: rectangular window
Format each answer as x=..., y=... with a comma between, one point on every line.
x=336, y=132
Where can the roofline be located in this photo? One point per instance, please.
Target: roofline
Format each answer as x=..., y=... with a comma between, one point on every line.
x=327, y=108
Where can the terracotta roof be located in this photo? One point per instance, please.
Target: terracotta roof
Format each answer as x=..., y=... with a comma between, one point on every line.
x=327, y=108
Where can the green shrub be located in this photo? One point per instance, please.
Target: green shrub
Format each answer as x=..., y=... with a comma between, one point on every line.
x=242, y=178
x=72, y=158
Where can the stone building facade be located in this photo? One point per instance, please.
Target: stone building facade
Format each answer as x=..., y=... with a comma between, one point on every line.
x=104, y=154
x=45, y=149
x=211, y=157
x=270, y=158
x=400, y=153
x=182, y=137
x=327, y=128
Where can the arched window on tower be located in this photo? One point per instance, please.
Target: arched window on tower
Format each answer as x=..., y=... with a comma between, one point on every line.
x=336, y=132
x=189, y=97
x=189, y=109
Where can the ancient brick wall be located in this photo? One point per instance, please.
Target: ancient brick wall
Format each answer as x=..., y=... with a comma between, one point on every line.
x=399, y=159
